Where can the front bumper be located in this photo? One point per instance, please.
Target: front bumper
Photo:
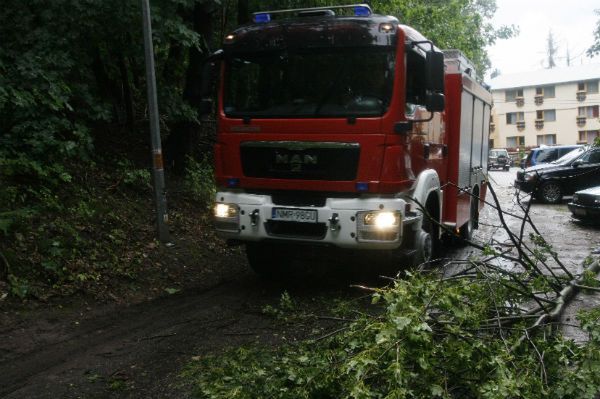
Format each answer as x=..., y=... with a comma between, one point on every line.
x=583, y=211
x=524, y=186
x=337, y=222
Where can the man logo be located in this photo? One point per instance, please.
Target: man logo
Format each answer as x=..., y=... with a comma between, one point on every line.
x=295, y=161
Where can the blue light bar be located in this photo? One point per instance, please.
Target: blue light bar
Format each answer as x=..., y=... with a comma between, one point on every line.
x=233, y=182
x=362, y=11
x=362, y=187
x=262, y=18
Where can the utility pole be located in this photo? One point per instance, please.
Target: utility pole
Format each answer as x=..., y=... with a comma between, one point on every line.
x=158, y=171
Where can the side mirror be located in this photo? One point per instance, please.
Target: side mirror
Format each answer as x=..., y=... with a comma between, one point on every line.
x=208, y=76
x=434, y=71
x=435, y=102
x=577, y=163
x=209, y=73
x=434, y=81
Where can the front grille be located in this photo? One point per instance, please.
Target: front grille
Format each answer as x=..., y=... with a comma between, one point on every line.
x=315, y=231
x=300, y=160
x=586, y=199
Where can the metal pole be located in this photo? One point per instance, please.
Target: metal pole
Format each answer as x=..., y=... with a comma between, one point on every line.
x=158, y=172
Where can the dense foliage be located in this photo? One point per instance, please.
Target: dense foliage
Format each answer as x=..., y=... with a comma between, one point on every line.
x=436, y=338
x=73, y=115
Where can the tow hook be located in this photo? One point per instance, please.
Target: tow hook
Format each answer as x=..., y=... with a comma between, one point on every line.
x=254, y=216
x=334, y=222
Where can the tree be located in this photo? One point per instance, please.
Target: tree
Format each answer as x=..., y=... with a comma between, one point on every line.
x=595, y=48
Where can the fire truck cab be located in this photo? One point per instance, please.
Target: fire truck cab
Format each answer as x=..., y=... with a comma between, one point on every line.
x=340, y=128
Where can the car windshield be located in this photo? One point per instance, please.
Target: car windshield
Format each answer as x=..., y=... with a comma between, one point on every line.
x=570, y=156
x=333, y=82
x=495, y=153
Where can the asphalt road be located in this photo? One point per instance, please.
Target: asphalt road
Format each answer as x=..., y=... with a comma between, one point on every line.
x=572, y=240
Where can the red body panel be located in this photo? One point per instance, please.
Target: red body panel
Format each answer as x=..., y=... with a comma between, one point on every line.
x=388, y=161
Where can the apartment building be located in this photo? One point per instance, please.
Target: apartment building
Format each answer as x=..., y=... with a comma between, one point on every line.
x=547, y=107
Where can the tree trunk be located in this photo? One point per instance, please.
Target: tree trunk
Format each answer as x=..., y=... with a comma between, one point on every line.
x=178, y=144
x=127, y=95
x=243, y=16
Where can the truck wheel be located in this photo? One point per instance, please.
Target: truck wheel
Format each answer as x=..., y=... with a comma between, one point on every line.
x=550, y=193
x=267, y=260
x=466, y=231
x=428, y=241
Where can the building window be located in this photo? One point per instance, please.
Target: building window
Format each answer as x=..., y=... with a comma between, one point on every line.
x=545, y=91
x=515, y=141
x=588, y=136
x=590, y=87
x=512, y=95
x=513, y=117
x=588, y=112
x=548, y=115
x=546, y=139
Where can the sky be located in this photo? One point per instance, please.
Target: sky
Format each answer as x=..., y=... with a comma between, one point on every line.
x=572, y=23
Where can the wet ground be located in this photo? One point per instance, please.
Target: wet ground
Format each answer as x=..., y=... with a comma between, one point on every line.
x=90, y=350
x=571, y=239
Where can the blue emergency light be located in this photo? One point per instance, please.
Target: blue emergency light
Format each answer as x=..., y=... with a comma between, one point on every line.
x=262, y=18
x=362, y=187
x=233, y=182
x=362, y=11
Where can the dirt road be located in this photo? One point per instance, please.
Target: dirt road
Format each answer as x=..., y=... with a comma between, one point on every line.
x=89, y=350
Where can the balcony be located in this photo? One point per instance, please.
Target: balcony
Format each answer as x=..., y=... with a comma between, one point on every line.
x=521, y=125
x=539, y=124
x=520, y=101
x=581, y=95
x=581, y=120
x=539, y=99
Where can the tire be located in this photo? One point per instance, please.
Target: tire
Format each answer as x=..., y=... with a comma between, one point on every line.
x=466, y=231
x=429, y=237
x=268, y=261
x=507, y=168
x=550, y=193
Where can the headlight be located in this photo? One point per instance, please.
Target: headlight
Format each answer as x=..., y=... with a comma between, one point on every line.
x=530, y=176
x=597, y=201
x=575, y=197
x=227, y=217
x=378, y=226
x=381, y=220
x=226, y=210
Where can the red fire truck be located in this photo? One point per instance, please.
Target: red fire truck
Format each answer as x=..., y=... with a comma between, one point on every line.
x=343, y=130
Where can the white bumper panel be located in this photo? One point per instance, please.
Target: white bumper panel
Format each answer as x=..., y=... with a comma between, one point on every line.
x=255, y=219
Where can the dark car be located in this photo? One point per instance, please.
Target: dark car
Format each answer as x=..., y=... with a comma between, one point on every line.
x=542, y=155
x=578, y=170
x=586, y=204
x=498, y=158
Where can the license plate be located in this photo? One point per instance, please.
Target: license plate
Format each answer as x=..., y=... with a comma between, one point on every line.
x=578, y=211
x=295, y=215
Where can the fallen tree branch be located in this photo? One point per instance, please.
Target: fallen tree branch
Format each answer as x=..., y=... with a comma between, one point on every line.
x=565, y=297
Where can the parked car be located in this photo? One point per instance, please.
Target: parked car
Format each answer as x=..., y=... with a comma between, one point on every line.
x=586, y=204
x=545, y=154
x=578, y=170
x=499, y=158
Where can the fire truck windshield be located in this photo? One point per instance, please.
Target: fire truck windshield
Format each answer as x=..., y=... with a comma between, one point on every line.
x=332, y=82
